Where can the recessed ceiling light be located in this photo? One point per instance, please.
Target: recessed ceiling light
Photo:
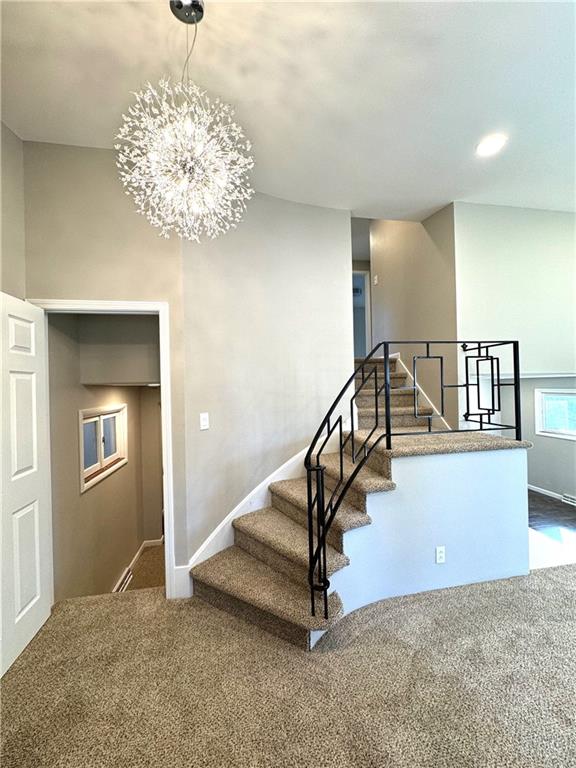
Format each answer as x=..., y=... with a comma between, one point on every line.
x=491, y=144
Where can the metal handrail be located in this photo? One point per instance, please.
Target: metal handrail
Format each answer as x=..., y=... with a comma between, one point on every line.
x=325, y=511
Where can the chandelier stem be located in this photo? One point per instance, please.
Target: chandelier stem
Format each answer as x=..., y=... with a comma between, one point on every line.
x=189, y=51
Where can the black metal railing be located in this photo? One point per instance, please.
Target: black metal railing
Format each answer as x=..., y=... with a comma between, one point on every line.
x=374, y=375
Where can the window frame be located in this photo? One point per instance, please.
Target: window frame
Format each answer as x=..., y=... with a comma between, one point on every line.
x=539, y=427
x=105, y=466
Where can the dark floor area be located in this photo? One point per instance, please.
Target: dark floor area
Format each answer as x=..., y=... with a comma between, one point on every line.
x=546, y=512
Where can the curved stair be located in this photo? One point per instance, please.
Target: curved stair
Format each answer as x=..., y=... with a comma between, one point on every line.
x=263, y=578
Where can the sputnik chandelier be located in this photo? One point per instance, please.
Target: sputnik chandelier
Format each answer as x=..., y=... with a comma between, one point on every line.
x=180, y=155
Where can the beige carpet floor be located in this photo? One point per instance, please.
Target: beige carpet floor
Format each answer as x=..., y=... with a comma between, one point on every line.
x=481, y=676
x=149, y=569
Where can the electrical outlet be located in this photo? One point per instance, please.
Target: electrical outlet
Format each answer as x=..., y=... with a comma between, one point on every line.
x=204, y=421
x=440, y=555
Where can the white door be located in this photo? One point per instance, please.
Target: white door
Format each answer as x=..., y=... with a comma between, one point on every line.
x=26, y=546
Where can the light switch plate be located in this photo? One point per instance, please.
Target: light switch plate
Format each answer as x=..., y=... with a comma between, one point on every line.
x=204, y=421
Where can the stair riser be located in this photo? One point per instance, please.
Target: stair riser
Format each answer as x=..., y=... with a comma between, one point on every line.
x=368, y=388
x=292, y=570
x=403, y=400
x=379, y=365
x=335, y=537
x=403, y=420
x=266, y=621
x=377, y=461
x=353, y=496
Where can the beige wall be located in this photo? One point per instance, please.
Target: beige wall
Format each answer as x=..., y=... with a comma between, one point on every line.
x=269, y=345
x=415, y=297
x=119, y=349
x=97, y=533
x=84, y=240
x=151, y=458
x=516, y=279
x=12, y=272
x=360, y=231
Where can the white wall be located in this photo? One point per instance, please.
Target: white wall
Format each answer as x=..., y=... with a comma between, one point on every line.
x=268, y=347
x=13, y=268
x=474, y=504
x=515, y=279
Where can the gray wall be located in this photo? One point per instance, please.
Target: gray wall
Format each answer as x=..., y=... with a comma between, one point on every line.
x=415, y=297
x=267, y=351
x=269, y=345
x=119, y=349
x=552, y=461
x=96, y=533
x=84, y=240
x=12, y=272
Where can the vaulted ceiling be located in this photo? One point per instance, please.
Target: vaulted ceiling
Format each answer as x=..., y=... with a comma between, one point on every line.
x=371, y=107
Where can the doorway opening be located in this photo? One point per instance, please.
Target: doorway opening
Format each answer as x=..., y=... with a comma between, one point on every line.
x=106, y=453
x=361, y=287
x=361, y=313
x=151, y=350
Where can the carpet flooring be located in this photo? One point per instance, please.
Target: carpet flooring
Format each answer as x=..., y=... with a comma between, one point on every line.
x=482, y=676
x=149, y=570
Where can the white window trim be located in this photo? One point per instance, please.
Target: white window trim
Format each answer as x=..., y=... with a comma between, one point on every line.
x=111, y=463
x=538, y=420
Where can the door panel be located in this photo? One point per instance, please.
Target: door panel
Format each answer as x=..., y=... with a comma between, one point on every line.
x=26, y=524
x=26, y=543
x=23, y=417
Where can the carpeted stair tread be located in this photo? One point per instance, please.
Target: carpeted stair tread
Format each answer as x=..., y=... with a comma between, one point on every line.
x=394, y=376
x=295, y=492
x=379, y=361
x=236, y=573
x=283, y=535
x=396, y=410
x=367, y=480
x=424, y=444
x=403, y=393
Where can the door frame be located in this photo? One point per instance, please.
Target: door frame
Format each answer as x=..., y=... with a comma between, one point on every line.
x=368, y=307
x=162, y=310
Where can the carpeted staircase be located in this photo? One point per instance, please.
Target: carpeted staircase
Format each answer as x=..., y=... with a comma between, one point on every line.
x=263, y=577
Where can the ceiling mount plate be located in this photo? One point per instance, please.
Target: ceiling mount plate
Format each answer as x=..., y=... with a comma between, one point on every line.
x=188, y=11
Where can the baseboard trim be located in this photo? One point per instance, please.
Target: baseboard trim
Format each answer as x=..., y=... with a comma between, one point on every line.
x=126, y=576
x=182, y=581
x=544, y=492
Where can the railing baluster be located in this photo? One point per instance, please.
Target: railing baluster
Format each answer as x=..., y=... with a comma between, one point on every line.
x=388, y=415
x=517, y=406
x=311, y=537
x=320, y=519
x=315, y=471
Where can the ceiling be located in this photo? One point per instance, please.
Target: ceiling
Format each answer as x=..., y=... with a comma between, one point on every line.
x=371, y=107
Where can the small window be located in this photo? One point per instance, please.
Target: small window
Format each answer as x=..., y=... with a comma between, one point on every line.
x=555, y=413
x=103, y=443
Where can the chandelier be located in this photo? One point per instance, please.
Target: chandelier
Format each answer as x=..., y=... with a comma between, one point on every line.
x=181, y=156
